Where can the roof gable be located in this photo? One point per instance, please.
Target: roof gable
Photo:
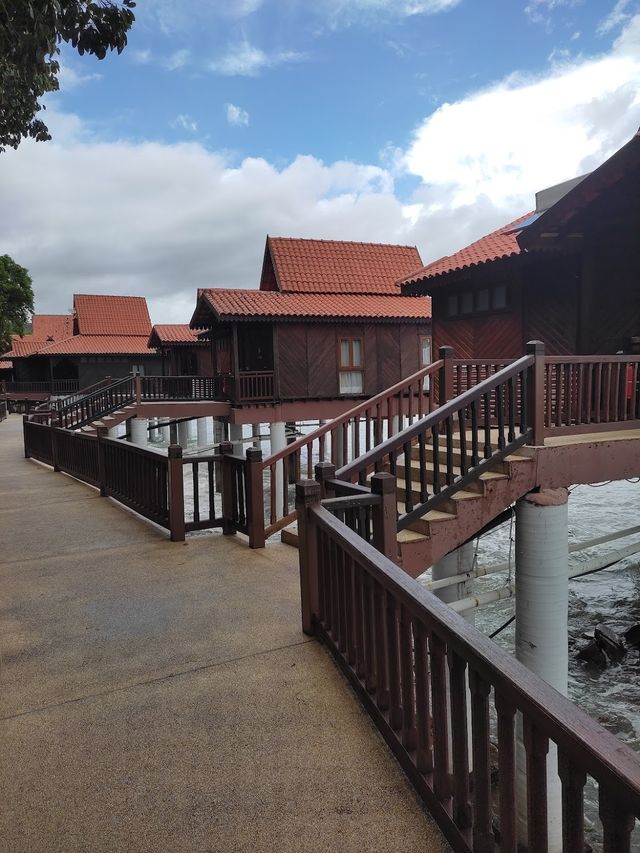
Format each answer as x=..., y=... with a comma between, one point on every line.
x=51, y=326
x=172, y=333
x=293, y=265
x=111, y=315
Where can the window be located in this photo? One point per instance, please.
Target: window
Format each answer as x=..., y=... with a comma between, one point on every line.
x=425, y=359
x=138, y=368
x=471, y=302
x=500, y=296
x=466, y=302
x=452, y=305
x=482, y=300
x=350, y=372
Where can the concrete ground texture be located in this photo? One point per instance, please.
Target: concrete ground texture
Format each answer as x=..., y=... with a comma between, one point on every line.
x=159, y=696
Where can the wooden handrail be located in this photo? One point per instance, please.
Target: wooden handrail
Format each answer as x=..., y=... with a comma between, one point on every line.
x=435, y=418
x=359, y=409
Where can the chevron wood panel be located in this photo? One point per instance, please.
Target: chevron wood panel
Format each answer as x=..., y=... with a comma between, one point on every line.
x=371, y=384
x=499, y=336
x=616, y=314
x=552, y=304
x=322, y=367
x=409, y=351
x=292, y=362
x=453, y=333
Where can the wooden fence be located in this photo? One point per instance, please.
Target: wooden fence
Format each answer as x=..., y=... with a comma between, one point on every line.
x=215, y=493
x=3, y=410
x=413, y=662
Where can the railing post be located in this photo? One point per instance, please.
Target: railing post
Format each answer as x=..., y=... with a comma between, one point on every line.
x=445, y=378
x=255, y=498
x=25, y=421
x=54, y=448
x=176, y=493
x=324, y=471
x=384, y=515
x=102, y=433
x=228, y=524
x=535, y=392
x=137, y=384
x=308, y=496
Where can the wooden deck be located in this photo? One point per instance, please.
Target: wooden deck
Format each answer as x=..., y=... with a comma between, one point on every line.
x=161, y=696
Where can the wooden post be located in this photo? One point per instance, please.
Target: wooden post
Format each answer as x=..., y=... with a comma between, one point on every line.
x=176, y=493
x=102, y=433
x=385, y=514
x=535, y=393
x=324, y=471
x=228, y=509
x=137, y=384
x=445, y=378
x=308, y=496
x=255, y=498
x=25, y=421
x=54, y=448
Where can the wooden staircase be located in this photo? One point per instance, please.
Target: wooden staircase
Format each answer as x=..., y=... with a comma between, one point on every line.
x=111, y=420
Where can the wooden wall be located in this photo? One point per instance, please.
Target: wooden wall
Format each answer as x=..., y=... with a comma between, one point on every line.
x=307, y=356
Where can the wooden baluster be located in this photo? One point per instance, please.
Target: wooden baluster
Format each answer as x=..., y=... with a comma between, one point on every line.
x=393, y=663
x=486, y=404
x=323, y=582
x=617, y=824
x=607, y=392
x=475, y=454
x=559, y=375
x=196, y=492
x=536, y=745
x=407, y=681
x=573, y=781
x=483, y=838
x=524, y=413
x=321, y=449
x=408, y=477
x=382, y=692
x=598, y=393
x=459, y=738
x=422, y=461
x=506, y=773
x=345, y=444
x=462, y=426
x=500, y=412
x=360, y=641
x=511, y=409
x=634, y=413
x=356, y=436
x=424, y=745
x=441, y=779
x=367, y=427
x=369, y=639
x=348, y=571
x=343, y=618
x=450, y=476
x=435, y=443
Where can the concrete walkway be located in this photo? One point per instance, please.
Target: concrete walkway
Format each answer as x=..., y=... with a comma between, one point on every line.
x=161, y=697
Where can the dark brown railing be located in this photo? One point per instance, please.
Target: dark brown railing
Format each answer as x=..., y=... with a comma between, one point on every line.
x=58, y=386
x=242, y=494
x=591, y=393
x=482, y=425
x=93, y=406
x=181, y=388
x=255, y=386
x=359, y=430
x=439, y=691
x=468, y=372
x=3, y=410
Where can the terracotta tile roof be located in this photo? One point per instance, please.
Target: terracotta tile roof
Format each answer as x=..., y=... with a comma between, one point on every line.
x=55, y=326
x=112, y=315
x=335, y=266
x=499, y=244
x=22, y=347
x=6, y=365
x=177, y=333
x=230, y=304
x=99, y=345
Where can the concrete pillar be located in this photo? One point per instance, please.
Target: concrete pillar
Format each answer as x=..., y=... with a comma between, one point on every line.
x=164, y=431
x=456, y=563
x=114, y=432
x=202, y=434
x=191, y=427
x=183, y=434
x=542, y=599
x=255, y=433
x=235, y=437
x=218, y=431
x=139, y=431
x=278, y=443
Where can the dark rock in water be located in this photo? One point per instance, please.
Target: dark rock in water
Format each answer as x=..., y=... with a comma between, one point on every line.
x=632, y=636
x=592, y=653
x=610, y=643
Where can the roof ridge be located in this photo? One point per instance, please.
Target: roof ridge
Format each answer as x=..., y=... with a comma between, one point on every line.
x=345, y=242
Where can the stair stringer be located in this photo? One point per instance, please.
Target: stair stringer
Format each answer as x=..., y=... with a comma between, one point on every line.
x=112, y=419
x=417, y=555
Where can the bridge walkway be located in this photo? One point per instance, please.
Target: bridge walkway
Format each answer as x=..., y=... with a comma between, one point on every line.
x=161, y=696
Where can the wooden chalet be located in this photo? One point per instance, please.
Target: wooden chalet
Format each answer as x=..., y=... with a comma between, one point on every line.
x=105, y=336
x=328, y=323
x=565, y=273
x=181, y=350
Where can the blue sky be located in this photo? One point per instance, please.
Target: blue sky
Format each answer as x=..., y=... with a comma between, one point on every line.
x=428, y=122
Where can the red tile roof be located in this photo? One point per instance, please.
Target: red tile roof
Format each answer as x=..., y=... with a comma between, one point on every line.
x=99, y=345
x=499, y=244
x=55, y=326
x=22, y=347
x=231, y=304
x=335, y=266
x=176, y=333
x=112, y=315
x=6, y=365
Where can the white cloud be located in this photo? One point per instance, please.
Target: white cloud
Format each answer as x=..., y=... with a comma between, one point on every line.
x=237, y=116
x=185, y=122
x=70, y=77
x=177, y=60
x=246, y=60
x=142, y=57
x=616, y=17
x=539, y=11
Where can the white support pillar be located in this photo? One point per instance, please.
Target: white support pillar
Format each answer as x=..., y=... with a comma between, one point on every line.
x=278, y=443
x=202, y=434
x=191, y=427
x=139, y=431
x=235, y=437
x=164, y=432
x=456, y=563
x=183, y=434
x=542, y=598
x=114, y=432
x=218, y=431
x=255, y=434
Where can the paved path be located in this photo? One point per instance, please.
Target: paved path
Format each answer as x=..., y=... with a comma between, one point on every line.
x=159, y=696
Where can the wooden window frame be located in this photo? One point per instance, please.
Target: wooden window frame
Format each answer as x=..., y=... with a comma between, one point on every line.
x=351, y=367
x=459, y=295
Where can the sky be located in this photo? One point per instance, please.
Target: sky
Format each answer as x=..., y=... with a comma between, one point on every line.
x=421, y=122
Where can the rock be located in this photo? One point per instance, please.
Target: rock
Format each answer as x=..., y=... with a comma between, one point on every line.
x=592, y=653
x=610, y=643
x=632, y=636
